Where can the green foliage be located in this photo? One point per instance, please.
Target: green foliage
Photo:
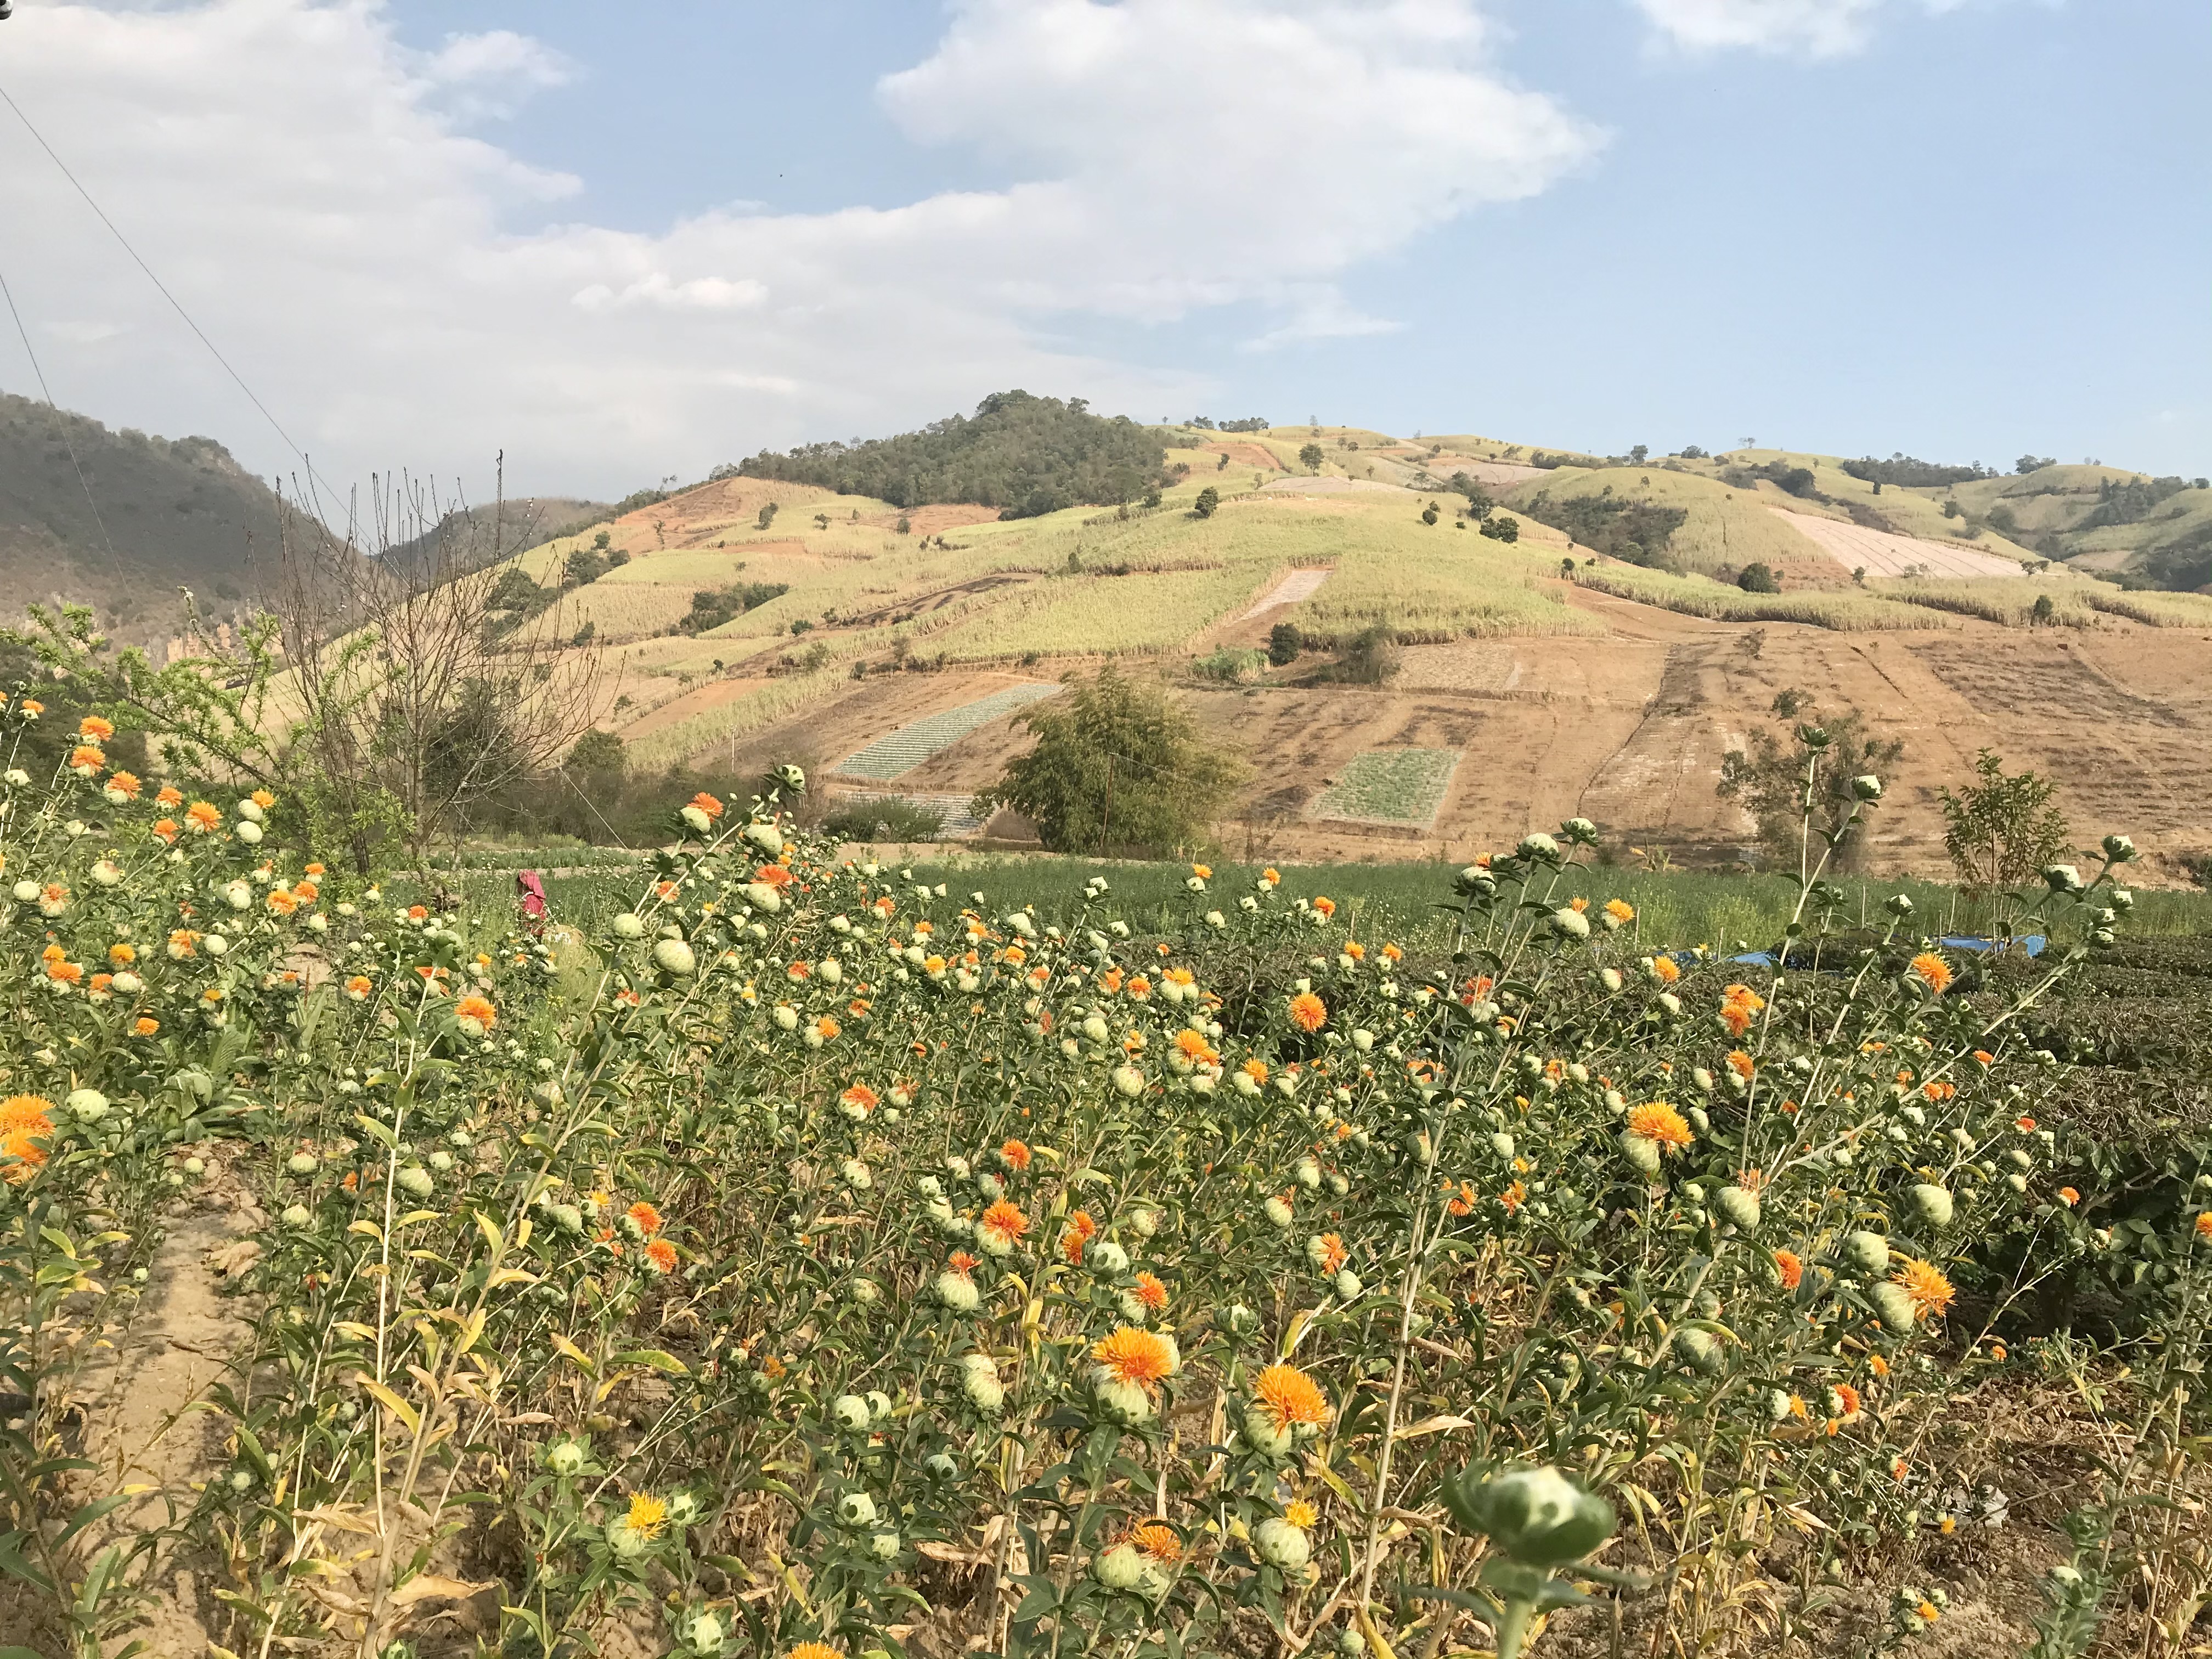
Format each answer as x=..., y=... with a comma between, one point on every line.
x=1758, y=579
x=1371, y=657
x=598, y=755
x=1802, y=783
x=766, y=516
x=1284, y=643
x=1905, y=472
x=1118, y=763
x=1635, y=532
x=885, y=820
x=1311, y=456
x=1208, y=500
x=1502, y=527
x=2130, y=502
x=1025, y=455
x=1230, y=665
x=2001, y=830
x=711, y=607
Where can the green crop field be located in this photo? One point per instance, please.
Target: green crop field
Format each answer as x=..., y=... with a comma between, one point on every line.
x=1391, y=786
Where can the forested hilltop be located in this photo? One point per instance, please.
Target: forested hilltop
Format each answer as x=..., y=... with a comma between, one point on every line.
x=1024, y=455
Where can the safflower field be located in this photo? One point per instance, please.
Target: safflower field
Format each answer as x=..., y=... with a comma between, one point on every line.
x=809, y=1261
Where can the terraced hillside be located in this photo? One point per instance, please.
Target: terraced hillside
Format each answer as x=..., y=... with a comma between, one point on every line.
x=1569, y=670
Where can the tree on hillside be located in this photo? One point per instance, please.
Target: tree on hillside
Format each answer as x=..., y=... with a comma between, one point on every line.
x=1770, y=779
x=1758, y=578
x=2002, y=830
x=1023, y=454
x=1284, y=642
x=1208, y=498
x=1118, y=765
x=1311, y=456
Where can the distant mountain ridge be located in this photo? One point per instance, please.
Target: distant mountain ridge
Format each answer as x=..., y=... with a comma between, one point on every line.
x=171, y=513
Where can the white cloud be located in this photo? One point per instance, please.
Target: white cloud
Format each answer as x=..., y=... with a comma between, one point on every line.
x=1819, y=29
x=313, y=192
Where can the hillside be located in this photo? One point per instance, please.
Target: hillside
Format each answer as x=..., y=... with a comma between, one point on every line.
x=177, y=513
x=1574, y=634
x=888, y=647
x=1025, y=455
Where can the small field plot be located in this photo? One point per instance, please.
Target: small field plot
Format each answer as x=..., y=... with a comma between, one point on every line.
x=902, y=750
x=1298, y=585
x=1391, y=786
x=1853, y=546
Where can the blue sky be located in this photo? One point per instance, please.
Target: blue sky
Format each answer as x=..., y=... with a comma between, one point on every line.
x=622, y=242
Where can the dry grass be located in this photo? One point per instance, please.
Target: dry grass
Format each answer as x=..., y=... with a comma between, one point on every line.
x=2005, y=600
x=1697, y=596
x=2155, y=610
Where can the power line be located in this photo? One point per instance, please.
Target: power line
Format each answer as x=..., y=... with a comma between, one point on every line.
x=61, y=425
x=175, y=304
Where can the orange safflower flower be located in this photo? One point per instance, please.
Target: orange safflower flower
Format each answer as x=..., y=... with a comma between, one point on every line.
x=1326, y=907
x=201, y=817
x=1015, y=1153
x=1736, y=1017
x=646, y=1216
x=1850, y=1396
x=122, y=955
x=1152, y=1291
x=281, y=902
x=479, y=1009
x=358, y=986
x=124, y=783
x=1930, y=1292
x=1156, y=1542
x=963, y=1263
x=2068, y=1197
x=1658, y=1121
x=306, y=891
x=263, y=799
x=87, y=758
x=1081, y=1230
x=169, y=795
x=808, y=1649
x=773, y=875
x=1134, y=1355
x=662, y=1255
x=1791, y=1267
x=1620, y=910
x=1004, y=1221
x=1935, y=972
x=1512, y=1197
x=2204, y=1225
x=827, y=1027
x=1291, y=1397
x=861, y=1099
x=1308, y=1011
x=1877, y=1364
x=706, y=803
x=1667, y=970
x=26, y=1122
x=1742, y=1064
x=145, y=1026
x=1256, y=1069
x=1355, y=950
x=315, y=869
x=65, y=972
x=165, y=829
x=2025, y=1125
x=94, y=729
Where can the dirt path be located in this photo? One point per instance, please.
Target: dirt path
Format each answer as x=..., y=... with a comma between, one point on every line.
x=180, y=1342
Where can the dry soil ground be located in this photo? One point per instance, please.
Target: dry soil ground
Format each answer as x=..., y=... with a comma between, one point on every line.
x=1629, y=729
